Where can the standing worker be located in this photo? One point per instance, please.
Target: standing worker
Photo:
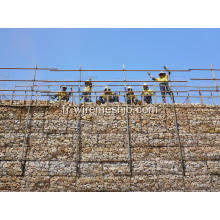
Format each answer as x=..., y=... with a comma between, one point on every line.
x=108, y=96
x=130, y=97
x=86, y=94
x=163, y=83
x=146, y=94
x=63, y=94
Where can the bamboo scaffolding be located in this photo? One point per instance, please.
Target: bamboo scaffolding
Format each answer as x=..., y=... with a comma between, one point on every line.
x=38, y=93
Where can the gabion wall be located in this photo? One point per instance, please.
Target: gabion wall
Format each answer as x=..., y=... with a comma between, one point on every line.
x=67, y=151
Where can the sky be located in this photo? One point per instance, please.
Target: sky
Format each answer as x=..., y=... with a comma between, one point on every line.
x=109, y=49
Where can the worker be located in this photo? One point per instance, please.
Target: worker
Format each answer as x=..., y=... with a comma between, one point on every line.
x=63, y=94
x=130, y=97
x=108, y=96
x=163, y=83
x=146, y=94
x=86, y=94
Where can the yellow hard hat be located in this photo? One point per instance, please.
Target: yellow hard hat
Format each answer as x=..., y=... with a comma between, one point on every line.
x=64, y=87
x=88, y=82
x=106, y=88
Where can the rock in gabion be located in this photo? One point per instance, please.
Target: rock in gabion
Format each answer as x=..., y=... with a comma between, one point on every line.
x=62, y=150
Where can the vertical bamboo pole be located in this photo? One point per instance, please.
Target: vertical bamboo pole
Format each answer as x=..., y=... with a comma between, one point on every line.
x=95, y=93
x=178, y=98
x=36, y=94
x=200, y=96
x=78, y=127
x=71, y=89
x=216, y=85
x=60, y=101
x=213, y=101
x=12, y=96
x=188, y=96
x=25, y=94
x=170, y=85
x=47, y=102
x=155, y=96
x=127, y=122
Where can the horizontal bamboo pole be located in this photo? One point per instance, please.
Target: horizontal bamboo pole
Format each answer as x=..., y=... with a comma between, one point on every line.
x=76, y=85
x=119, y=95
x=203, y=79
x=48, y=91
x=20, y=80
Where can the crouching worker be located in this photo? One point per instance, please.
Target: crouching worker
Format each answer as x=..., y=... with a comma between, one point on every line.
x=62, y=95
x=130, y=97
x=108, y=96
x=164, y=86
x=86, y=94
x=146, y=94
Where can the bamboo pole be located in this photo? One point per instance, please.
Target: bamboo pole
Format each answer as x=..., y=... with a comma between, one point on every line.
x=215, y=82
x=27, y=123
x=127, y=123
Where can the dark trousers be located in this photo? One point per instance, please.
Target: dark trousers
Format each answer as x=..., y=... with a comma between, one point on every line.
x=165, y=89
x=130, y=101
x=148, y=99
x=86, y=97
x=113, y=99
